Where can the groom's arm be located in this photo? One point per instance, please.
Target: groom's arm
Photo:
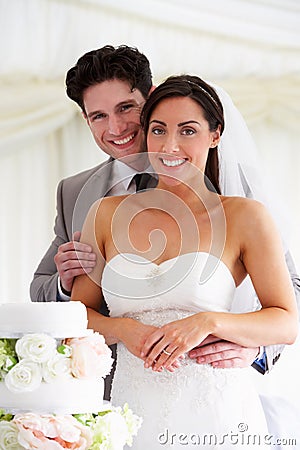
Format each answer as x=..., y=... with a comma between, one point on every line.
x=224, y=354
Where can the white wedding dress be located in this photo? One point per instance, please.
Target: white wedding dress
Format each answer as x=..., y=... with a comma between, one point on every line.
x=196, y=406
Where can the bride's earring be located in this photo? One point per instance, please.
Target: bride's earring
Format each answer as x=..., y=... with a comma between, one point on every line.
x=214, y=143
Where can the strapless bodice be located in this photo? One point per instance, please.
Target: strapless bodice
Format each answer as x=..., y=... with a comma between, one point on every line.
x=191, y=282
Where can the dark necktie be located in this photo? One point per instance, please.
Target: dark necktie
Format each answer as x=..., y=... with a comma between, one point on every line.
x=141, y=181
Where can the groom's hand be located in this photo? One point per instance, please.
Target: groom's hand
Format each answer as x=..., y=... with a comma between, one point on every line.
x=72, y=259
x=223, y=354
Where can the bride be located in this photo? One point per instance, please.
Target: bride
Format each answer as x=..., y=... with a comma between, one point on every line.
x=168, y=264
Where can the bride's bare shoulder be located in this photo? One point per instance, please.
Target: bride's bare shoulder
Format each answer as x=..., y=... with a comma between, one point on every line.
x=238, y=203
x=107, y=205
x=245, y=211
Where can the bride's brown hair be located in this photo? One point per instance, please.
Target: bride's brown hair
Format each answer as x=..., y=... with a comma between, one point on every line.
x=202, y=93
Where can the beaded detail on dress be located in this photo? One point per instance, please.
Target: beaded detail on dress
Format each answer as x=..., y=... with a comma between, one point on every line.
x=209, y=382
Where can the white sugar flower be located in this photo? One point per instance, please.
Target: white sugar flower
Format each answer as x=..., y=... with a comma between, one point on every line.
x=26, y=376
x=9, y=436
x=105, y=436
x=133, y=423
x=58, y=367
x=104, y=428
x=37, y=347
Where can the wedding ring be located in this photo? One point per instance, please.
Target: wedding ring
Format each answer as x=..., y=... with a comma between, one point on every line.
x=166, y=353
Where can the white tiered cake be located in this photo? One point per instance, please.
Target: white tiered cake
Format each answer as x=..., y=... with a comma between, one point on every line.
x=51, y=377
x=42, y=328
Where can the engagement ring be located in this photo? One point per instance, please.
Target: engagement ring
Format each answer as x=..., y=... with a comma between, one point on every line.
x=166, y=353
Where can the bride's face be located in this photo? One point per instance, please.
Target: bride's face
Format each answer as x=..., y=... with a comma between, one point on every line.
x=179, y=139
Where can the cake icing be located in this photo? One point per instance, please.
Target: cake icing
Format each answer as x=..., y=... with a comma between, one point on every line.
x=71, y=396
x=59, y=319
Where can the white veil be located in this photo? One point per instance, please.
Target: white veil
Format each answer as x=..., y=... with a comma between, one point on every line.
x=241, y=175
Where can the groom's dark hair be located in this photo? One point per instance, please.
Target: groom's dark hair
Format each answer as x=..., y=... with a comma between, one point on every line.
x=109, y=63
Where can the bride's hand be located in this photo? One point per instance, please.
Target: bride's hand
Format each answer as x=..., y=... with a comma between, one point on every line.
x=134, y=335
x=168, y=343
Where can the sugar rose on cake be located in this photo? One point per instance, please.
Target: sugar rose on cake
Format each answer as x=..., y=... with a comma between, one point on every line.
x=90, y=356
x=52, y=432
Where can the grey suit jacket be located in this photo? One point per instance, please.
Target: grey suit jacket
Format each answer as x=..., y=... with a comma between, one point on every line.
x=75, y=195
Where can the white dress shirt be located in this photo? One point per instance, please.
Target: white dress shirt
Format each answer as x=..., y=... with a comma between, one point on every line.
x=121, y=179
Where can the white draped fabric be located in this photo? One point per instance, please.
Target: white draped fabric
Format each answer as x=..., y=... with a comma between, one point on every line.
x=249, y=47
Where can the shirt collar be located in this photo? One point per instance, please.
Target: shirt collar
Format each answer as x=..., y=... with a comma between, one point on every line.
x=122, y=174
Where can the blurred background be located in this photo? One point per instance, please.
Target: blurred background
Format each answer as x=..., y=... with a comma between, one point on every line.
x=249, y=47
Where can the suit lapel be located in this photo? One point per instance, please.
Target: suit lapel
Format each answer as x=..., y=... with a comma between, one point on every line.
x=95, y=187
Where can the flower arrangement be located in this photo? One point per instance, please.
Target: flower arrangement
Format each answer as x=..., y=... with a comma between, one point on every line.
x=110, y=429
x=26, y=362
x=37, y=358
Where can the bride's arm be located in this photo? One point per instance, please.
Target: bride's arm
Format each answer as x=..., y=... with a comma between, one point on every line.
x=87, y=288
x=277, y=321
x=262, y=255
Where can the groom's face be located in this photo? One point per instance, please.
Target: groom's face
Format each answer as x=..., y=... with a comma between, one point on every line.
x=112, y=112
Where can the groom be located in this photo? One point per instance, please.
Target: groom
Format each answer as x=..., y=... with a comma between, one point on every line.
x=110, y=86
